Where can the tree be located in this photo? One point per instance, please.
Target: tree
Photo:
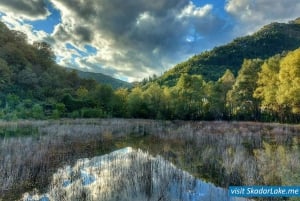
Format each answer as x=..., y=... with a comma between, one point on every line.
x=72, y=79
x=189, y=94
x=19, y=36
x=37, y=111
x=13, y=56
x=103, y=95
x=119, y=103
x=267, y=86
x=217, y=94
x=27, y=78
x=5, y=74
x=240, y=99
x=82, y=92
x=12, y=100
x=136, y=105
x=45, y=52
x=153, y=97
x=289, y=82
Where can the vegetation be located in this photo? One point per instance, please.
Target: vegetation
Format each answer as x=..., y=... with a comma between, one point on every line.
x=253, y=78
x=265, y=88
x=224, y=153
x=104, y=79
x=270, y=40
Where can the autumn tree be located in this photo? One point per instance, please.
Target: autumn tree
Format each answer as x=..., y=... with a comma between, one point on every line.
x=289, y=82
x=240, y=100
x=267, y=86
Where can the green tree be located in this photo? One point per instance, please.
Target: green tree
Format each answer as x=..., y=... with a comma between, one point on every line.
x=217, y=95
x=28, y=79
x=45, y=54
x=137, y=108
x=59, y=110
x=267, y=86
x=119, y=102
x=82, y=92
x=12, y=100
x=103, y=95
x=240, y=100
x=5, y=74
x=189, y=95
x=153, y=97
x=37, y=111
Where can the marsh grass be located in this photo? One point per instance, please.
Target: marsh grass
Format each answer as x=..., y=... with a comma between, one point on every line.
x=225, y=153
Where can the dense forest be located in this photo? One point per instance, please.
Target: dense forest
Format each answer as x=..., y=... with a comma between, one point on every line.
x=260, y=81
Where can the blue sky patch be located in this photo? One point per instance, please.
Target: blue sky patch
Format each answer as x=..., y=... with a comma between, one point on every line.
x=48, y=24
x=90, y=49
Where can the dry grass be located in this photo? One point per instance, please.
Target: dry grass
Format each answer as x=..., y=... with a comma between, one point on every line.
x=206, y=149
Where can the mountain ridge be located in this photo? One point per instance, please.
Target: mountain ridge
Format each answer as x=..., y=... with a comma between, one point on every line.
x=102, y=78
x=271, y=39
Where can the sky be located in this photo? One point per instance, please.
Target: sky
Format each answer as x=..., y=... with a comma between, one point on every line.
x=134, y=39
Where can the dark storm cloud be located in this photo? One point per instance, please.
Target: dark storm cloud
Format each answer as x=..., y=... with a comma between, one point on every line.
x=84, y=33
x=29, y=8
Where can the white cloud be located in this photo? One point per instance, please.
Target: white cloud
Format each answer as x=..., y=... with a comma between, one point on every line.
x=191, y=10
x=144, y=18
x=17, y=24
x=252, y=14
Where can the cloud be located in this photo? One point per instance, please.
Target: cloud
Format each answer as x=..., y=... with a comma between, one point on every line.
x=252, y=14
x=16, y=24
x=131, y=39
x=136, y=38
x=84, y=33
x=192, y=11
x=29, y=9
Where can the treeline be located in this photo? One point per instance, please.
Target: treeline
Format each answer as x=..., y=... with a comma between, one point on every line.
x=264, y=90
x=32, y=85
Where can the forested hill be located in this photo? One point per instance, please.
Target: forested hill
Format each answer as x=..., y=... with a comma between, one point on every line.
x=30, y=72
x=266, y=88
x=268, y=41
x=103, y=79
x=32, y=85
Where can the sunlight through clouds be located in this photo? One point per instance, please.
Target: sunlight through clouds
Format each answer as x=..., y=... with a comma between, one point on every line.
x=134, y=38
